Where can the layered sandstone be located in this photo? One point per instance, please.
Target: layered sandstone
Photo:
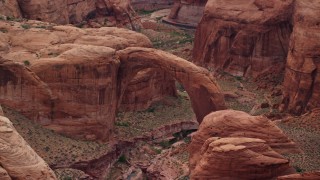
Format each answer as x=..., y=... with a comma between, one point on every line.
x=303, y=176
x=186, y=13
x=302, y=81
x=244, y=37
x=151, y=5
x=73, y=80
x=10, y=8
x=238, y=127
x=71, y=11
x=18, y=160
x=239, y=158
x=262, y=37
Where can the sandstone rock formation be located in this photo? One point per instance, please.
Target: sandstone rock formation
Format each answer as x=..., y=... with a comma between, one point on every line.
x=186, y=13
x=18, y=160
x=72, y=80
x=260, y=37
x=65, y=12
x=239, y=158
x=303, y=176
x=239, y=126
x=151, y=5
x=10, y=8
x=302, y=80
x=204, y=92
x=243, y=37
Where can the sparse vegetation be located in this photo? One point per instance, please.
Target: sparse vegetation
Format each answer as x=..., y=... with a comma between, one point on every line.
x=26, y=63
x=26, y=26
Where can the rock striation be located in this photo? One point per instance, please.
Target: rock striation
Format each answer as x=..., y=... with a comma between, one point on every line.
x=151, y=5
x=301, y=86
x=74, y=80
x=244, y=37
x=186, y=13
x=69, y=12
x=304, y=176
x=18, y=160
x=234, y=143
x=239, y=158
x=263, y=37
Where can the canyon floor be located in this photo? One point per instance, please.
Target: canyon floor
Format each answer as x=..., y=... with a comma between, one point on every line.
x=160, y=134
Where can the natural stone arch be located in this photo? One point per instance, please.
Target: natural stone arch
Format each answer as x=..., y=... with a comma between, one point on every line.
x=204, y=92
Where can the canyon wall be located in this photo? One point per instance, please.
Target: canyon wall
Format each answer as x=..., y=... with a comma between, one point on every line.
x=68, y=12
x=186, y=13
x=151, y=5
x=261, y=37
x=301, y=86
x=244, y=37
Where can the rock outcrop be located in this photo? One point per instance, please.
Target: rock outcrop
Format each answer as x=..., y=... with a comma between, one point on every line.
x=69, y=12
x=239, y=158
x=203, y=90
x=231, y=133
x=186, y=13
x=10, y=8
x=244, y=37
x=73, y=80
x=303, y=176
x=18, y=160
x=262, y=37
x=151, y=5
x=301, y=87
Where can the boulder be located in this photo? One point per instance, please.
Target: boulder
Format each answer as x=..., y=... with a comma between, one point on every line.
x=244, y=37
x=239, y=158
x=18, y=160
x=237, y=124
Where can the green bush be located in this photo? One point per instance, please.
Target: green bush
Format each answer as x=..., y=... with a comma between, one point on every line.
x=26, y=62
x=122, y=159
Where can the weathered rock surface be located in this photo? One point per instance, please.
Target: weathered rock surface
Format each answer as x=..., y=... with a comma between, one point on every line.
x=72, y=11
x=186, y=13
x=303, y=176
x=17, y=158
x=203, y=90
x=302, y=81
x=10, y=8
x=151, y=4
x=239, y=158
x=244, y=37
x=237, y=124
x=258, y=37
x=72, y=80
x=157, y=83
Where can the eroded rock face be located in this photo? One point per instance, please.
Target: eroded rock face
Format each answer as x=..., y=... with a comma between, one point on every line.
x=186, y=13
x=17, y=158
x=244, y=37
x=302, y=81
x=204, y=92
x=303, y=176
x=74, y=80
x=239, y=158
x=151, y=4
x=237, y=124
x=259, y=37
x=72, y=11
x=10, y=8
x=81, y=89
